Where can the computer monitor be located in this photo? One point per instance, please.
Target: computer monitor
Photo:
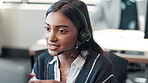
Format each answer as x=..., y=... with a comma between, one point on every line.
x=146, y=24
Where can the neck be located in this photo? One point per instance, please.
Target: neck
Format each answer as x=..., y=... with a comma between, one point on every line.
x=66, y=59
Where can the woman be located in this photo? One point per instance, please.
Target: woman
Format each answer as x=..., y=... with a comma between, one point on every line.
x=73, y=56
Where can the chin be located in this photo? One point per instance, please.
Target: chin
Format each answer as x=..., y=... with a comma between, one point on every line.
x=52, y=53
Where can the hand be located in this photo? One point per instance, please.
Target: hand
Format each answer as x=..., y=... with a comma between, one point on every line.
x=31, y=75
x=44, y=81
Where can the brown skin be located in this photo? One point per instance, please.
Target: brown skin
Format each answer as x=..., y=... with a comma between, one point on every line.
x=61, y=34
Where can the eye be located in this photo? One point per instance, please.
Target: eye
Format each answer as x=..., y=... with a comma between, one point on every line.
x=62, y=31
x=47, y=28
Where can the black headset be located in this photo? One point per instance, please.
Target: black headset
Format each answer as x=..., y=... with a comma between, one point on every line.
x=84, y=35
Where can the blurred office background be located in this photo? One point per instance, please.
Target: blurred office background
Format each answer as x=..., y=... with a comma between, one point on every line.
x=21, y=25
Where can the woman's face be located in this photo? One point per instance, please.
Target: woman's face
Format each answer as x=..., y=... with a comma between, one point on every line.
x=60, y=33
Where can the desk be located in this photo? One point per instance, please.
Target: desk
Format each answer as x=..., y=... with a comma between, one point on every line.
x=128, y=40
x=114, y=39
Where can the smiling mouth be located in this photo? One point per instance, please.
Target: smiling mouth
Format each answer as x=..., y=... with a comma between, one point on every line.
x=53, y=47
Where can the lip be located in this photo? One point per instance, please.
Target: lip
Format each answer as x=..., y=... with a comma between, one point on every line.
x=53, y=47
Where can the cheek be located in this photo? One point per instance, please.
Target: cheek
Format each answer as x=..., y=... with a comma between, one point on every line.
x=69, y=41
x=46, y=34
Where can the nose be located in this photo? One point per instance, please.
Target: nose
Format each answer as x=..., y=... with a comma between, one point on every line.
x=51, y=36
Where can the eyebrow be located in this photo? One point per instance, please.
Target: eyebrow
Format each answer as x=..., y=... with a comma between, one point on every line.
x=47, y=23
x=62, y=26
x=58, y=26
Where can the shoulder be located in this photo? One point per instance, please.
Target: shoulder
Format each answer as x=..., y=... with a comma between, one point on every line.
x=101, y=68
x=43, y=56
x=100, y=62
x=100, y=59
x=104, y=60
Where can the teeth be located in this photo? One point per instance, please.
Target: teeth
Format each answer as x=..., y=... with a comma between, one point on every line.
x=52, y=46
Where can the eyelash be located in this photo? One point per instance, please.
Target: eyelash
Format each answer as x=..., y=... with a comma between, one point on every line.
x=47, y=28
x=60, y=30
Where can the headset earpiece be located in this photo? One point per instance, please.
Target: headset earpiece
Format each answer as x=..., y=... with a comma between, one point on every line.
x=84, y=36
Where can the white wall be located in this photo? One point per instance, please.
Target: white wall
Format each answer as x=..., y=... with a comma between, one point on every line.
x=21, y=26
